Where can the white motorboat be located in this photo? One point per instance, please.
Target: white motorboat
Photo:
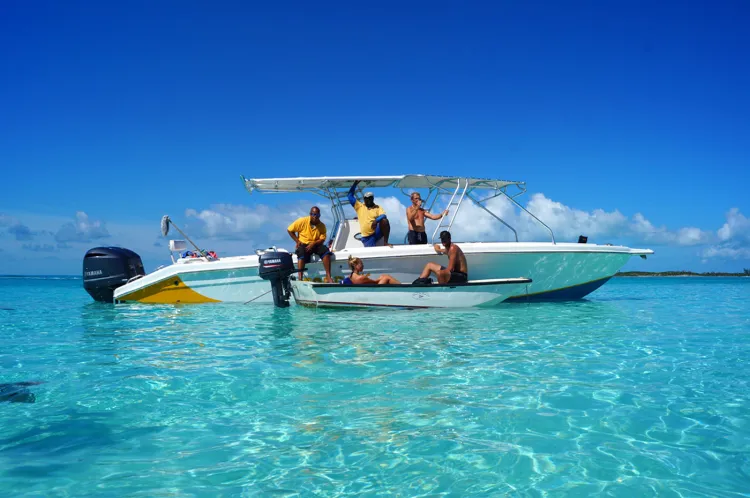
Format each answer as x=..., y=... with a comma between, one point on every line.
x=559, y=271
x=476, y=293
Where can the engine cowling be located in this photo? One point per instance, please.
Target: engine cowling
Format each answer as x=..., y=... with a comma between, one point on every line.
x=107, y=268
x=277, y=267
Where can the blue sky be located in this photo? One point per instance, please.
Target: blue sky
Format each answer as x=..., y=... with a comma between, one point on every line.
x=113, y=114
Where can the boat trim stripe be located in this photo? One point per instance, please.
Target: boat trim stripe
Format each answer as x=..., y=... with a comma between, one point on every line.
x=357, y=305
x=523, y=296
x=477, y=283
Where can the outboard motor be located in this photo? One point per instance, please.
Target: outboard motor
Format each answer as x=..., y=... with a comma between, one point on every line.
x=107, y=268
x=277, y=267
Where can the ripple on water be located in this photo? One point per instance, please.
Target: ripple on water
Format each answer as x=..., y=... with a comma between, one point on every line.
x=639, y=391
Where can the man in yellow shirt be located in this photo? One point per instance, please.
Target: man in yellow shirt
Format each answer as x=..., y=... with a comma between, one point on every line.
x=309, y=233
x=373, y=223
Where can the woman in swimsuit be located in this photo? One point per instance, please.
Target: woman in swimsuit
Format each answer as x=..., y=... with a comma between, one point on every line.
x=357, y=277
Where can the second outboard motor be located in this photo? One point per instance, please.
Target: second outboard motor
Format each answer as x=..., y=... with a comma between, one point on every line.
x=107, y=268
x=277, y=267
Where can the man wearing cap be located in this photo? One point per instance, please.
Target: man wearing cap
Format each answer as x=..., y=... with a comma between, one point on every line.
x=373, y=223
x=309, y=233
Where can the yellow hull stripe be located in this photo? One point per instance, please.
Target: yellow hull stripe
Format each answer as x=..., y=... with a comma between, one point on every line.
x=170, y=291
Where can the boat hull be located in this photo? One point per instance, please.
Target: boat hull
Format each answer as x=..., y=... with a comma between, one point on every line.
x=227, y=280
x=469, y=295
x=558, y=271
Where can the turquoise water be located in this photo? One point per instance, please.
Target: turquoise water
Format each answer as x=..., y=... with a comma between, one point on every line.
x=642, y=390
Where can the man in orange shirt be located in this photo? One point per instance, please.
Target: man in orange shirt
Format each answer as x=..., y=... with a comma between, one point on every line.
x=309, y=235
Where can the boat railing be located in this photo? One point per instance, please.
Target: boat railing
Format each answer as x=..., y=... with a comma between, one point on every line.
x=452, y=202
x=479, y=203
x=455, y=187
x=552, y=234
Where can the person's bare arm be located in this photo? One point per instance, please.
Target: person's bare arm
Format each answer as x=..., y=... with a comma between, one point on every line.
x=294, y=238
x=439, y=249
x=320, y=240
x=431, y=216
x=362, y=279
x=411, y=214
x=452, y=259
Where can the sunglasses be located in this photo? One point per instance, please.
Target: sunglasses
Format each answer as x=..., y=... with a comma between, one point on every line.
x=316, y=215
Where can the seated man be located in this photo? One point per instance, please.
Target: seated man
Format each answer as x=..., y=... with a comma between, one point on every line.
x=357, y=277
x=309, y=233
x=457, y=270
x=415, y=215
x=373, y=223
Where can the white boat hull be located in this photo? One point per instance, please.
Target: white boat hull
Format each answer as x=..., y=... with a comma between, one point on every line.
x=558, y=271
x=469, y=295
x=198, y=281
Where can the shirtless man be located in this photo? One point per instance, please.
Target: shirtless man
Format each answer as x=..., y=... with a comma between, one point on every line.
x=457, y=270
x=415, y=216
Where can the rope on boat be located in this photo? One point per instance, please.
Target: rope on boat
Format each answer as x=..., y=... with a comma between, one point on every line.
x=256, y=297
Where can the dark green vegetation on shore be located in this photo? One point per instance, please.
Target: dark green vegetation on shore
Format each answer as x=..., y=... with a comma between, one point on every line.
x=744, y=273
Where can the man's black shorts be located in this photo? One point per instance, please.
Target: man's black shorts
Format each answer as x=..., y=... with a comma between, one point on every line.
x=321, y=250
x=417, y=237
x=458, y=277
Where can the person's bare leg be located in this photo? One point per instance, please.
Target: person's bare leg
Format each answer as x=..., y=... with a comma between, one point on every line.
x=300, y=265
x=387, y=279
x=430, y=268
x=327, y=266
x=385, y=229
x=443, y=276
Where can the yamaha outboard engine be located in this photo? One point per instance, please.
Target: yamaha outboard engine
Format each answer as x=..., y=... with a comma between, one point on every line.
x=107, y=268
x=277, y=267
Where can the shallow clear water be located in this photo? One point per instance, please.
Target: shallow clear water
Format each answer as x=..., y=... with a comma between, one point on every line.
x=642, y=390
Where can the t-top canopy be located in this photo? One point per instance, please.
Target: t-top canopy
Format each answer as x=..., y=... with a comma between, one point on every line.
x=316, y=184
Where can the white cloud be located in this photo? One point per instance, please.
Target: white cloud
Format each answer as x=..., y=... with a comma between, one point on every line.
x=567, y=223
x=691, y=236
x=726, y=252
x=686, y=236
x=226, y=220
x=396, y=213
x=238, y=222
x=21, y=232
x=736, y=227
x=6, y=221
x=82, y=230
x=39, y=247
x=268, y=224
x=734, y=237
x=237, y=229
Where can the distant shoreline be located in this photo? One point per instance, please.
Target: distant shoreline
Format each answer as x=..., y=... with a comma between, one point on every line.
x=678, y=274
